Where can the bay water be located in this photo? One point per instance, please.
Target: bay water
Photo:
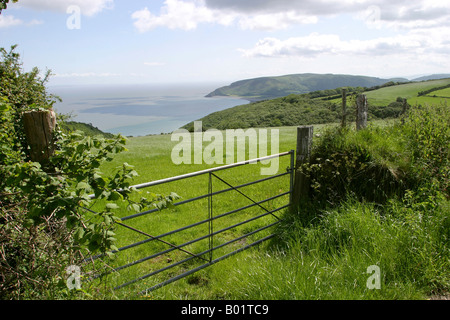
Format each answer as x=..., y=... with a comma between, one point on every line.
x=139, y=110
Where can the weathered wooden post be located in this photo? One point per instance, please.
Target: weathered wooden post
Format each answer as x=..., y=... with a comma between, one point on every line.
x=344, y=108
x=404, y=109
x=361, y=112
x=39, y=126
x=301, y=182
x=404, y=106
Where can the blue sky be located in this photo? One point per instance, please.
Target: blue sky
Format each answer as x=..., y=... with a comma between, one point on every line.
x=220, y=41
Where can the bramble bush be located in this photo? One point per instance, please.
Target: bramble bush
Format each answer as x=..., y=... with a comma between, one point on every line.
x=46, y=223
x=427, y=130
x=381, y=193
x=376, y=164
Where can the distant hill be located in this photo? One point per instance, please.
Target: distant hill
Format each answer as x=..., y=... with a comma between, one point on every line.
x=433, y=77
x=274, y=87
x=87, y=128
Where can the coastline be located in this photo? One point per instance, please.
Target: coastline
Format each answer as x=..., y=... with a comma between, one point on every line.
x=140, y=110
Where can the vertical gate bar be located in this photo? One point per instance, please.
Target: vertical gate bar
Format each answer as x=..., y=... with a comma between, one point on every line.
x=210, y=217
x=211, y=260
x=292, y=172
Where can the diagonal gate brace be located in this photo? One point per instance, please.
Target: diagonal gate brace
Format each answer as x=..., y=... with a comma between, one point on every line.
x=256, y=203
x=155, y=238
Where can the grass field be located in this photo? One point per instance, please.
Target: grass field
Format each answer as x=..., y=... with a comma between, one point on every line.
x=313, y=257
x=387, y=95
x=409, y=91
x=151, y=156
x=444, y=93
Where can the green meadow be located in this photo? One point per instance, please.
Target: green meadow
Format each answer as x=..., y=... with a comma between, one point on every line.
x=386, y=95
x=151, y=158
x=321, y=250
x=408, y=91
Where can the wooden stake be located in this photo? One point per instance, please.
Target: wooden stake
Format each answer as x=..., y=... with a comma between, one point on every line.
x=39, y=126
x=304, y=144
x=361, y=112
x=344, y=108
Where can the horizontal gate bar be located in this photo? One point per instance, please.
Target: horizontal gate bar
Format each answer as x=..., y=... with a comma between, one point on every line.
x=191, y=257
x=197, y=223
x=211, y=249
x=197, y=173
x=194, y=240
x=206, y=195
x=162, y=284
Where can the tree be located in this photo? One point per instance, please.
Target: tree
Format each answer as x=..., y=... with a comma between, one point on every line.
x=4, y=4
x=23, y=90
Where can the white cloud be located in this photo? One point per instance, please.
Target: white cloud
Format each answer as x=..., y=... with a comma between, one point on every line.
x=174, y=15
x=391, y=10
x=301, y=7
x=281, y=20
x=178, y=14
x=9, y=21
x=154, y=64
x=315, y=45
x=308, y=46
x=35, y=22
x=87, y=7
x=408, y=15
x=281, y=14
x=86, y=74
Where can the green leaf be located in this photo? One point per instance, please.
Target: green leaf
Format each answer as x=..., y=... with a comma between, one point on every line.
x=112, y=206
x=114, y=196
x=110, y=233
x=107, y=220
x=83, y=186
x=135, y=207
x=79, y=233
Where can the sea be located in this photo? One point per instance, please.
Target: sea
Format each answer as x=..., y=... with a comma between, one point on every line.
x=139, y=110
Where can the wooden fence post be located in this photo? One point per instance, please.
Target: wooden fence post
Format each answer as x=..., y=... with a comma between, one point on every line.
x=344, y=108
x=361, y=112
x=404, y=106
x=301, y=182
x=39, y=126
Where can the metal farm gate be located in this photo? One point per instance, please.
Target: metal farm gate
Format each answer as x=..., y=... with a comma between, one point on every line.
x=211, y=253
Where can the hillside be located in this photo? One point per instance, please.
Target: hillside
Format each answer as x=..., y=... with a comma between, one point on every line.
x=319, y=107
x=87, y=128
x=416, y=93
x=275, y=87
x=286, y=111
x=433, y=77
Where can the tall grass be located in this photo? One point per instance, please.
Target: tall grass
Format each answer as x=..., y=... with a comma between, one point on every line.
x=380, y=198
x=329, y=257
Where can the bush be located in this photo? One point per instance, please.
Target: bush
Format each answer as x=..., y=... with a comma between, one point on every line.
x=427, y=131
x=44, y=224
x=359, y=164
